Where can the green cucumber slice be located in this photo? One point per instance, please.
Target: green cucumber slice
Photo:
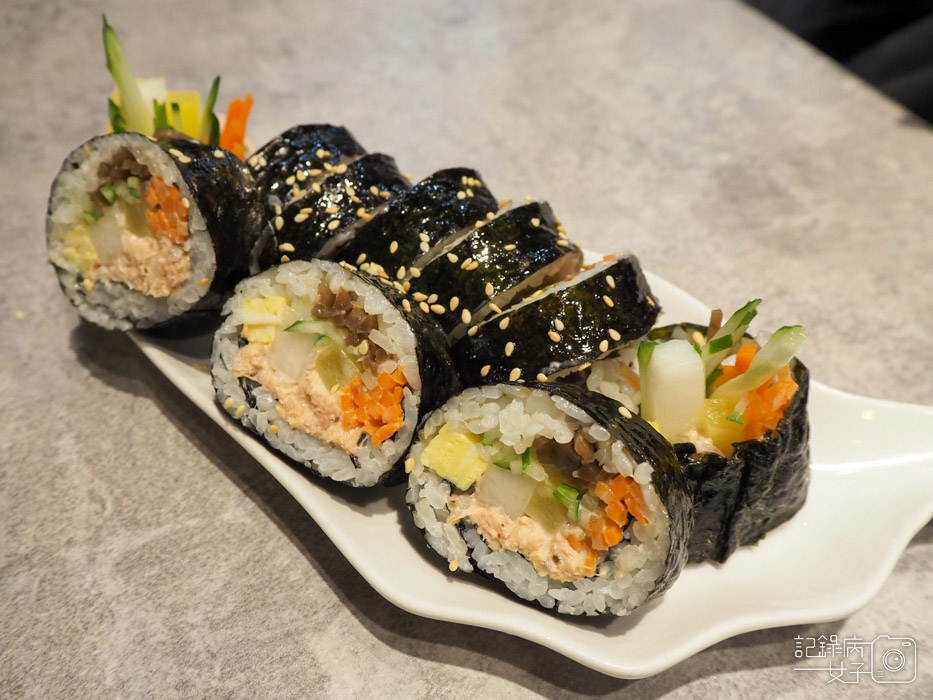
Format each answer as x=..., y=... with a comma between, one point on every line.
x=569, y=497
x=727, y=337
x=209, y=132
x=777, y=352
x=135, y=112
x=310, y=327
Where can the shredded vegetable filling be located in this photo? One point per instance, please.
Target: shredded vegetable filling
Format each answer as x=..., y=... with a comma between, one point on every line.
x=134, y=232
x=721, y=389
x=553, y=503
x=327, y=379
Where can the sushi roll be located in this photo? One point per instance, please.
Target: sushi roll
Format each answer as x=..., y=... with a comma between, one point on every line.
x=515, y=253
x=287, y=166
x=141, y=232
x=330, y=368
x=416, y=224
x=330, y=209
x=553, y=492
x=561, y=328
x=735, y=409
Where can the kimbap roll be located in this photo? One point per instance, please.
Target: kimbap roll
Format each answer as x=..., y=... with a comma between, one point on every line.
x=286, y=167
x=735, y=410
x=515, y=253
x=332, y=207
x=553, y=491
x=141, y=232
x=413, y=226
x=558, y=329
x=330, y=368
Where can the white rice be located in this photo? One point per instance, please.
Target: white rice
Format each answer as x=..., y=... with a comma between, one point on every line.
x=115, y=305
x=301, y=279
x=516, y=416
x=604, y=377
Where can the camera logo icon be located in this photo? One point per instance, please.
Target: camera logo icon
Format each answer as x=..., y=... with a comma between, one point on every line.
x=893, y=659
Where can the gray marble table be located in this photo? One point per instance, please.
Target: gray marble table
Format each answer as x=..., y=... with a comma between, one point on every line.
x=143, y=553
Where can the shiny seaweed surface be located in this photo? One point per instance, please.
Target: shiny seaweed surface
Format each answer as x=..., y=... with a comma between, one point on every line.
x=561, y=329
x=492, y=262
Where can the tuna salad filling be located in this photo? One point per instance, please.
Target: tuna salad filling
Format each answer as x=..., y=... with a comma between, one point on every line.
x=133, y=230
x=317, y=360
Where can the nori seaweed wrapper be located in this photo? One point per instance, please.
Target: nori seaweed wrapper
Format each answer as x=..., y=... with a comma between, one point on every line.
x=289, y=162
x=562, y=328
x=228, y=199
x=312, y=225
x=763, y=484
x=439, y=378
x=413, y=223
x=519, y=251
x=646, y=445
x=737, y=500
x=222, y=190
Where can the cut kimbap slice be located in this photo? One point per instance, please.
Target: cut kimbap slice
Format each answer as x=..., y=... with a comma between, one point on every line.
x=287, y=166
x=317, y=223
x=418, y=222
x=329, y=368
x=515, y=253
x=560, y=328
x=735, y=409
x=554, y=492
x=142, y=232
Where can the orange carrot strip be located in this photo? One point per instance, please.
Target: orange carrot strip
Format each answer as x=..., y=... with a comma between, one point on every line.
x=617, y=513
x=594, y=529
x=619, y=487
x=167, y=216
x=234, y=132
x=383, y=434
x=373, y=410
x=627, y=490
x=744, y=357
x=612, y=534
x=766, y=404
x=604, y=493
x=386, y=381
x=590, y=564
x=378, y=411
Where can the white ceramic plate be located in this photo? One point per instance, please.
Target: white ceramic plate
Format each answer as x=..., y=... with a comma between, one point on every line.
x=868, y=456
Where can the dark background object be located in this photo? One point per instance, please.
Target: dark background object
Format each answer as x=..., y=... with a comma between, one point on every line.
x=889, y=43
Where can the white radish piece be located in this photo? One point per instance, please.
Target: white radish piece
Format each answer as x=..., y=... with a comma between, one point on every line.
x=107, y=235
x=673, y=389
x=290, y=353
x=500, y=487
